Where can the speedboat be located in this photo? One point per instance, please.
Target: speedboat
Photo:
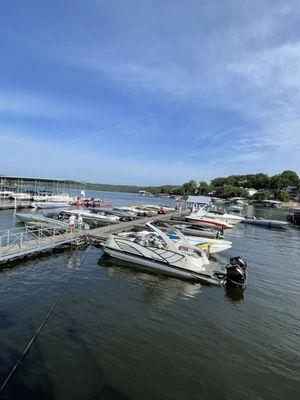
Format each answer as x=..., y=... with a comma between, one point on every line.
x=210, y=245
x=88, y=215
x=49, y=204
x=196, y=230
x=124, y=215
x=39, y=218
x=228, y=218
x=208, y=221
x=156, y=252
x=269, y=223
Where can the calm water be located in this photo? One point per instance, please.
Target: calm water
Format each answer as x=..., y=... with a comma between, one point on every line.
x=122, y=334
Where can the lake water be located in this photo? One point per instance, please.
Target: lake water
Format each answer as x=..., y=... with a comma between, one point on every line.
x=119, y=333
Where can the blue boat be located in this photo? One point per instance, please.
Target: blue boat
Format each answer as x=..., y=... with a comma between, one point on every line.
x=269, y=223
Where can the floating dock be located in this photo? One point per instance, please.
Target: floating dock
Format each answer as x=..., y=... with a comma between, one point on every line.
x=19, y=243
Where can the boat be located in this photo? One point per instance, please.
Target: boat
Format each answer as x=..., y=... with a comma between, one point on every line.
x=196, y=230
x=208, y=221
x=5, y=194
x=88, y=215
x=124, y=215
x=228, y=218
x=235, y=208
x=210, y=245
x=39, y=218
x=294, y=217
x=21, y=196
x=156, y=252
x=270, y=223
x=49, y=204
x=92, y=202
x=60, y=198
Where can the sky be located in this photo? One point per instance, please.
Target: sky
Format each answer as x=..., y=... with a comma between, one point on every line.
x=149, y=92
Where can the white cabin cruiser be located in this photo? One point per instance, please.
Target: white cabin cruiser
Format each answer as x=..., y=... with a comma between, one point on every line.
x=6, y=194
x=155, y=251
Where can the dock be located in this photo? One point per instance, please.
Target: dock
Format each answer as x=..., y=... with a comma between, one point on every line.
x=19, y=243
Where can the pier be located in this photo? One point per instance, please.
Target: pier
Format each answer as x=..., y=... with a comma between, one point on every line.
x=19, y=243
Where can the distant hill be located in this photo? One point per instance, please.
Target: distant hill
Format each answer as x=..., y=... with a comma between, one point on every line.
x=114, y=188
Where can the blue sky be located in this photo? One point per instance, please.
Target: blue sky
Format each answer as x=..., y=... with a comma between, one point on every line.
x=149, y=92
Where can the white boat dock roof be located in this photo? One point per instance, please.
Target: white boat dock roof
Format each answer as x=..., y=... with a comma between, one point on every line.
x=199, y=199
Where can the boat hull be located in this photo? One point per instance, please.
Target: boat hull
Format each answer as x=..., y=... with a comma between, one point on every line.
x=208, y=222
x=157, y=266
x=50, y=205
x=266, y=223
x=213, y=245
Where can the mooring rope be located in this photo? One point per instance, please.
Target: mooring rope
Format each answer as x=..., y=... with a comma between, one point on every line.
x=43, y=323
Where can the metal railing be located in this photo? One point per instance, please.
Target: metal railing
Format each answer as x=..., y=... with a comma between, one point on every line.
x=18, y=237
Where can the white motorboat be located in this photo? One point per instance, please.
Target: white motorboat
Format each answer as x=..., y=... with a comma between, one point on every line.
x=155, y=251
x=5, y=194
x=21, y=196
x=49, y=204
x=210, y=245
x=208, y=221
x=228, y=218
x=88, y=215
x=39, y=218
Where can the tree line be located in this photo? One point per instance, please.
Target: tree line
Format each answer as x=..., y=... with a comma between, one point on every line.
x=236, y=185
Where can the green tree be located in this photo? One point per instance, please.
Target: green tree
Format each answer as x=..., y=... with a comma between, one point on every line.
x=204, y=188
x=282, y=196
x=190, y=187
x=261, y=195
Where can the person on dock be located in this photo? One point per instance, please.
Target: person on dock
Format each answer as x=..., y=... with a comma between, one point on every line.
x=72, y=222
x=80, y=221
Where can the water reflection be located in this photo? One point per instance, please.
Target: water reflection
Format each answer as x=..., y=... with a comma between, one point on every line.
x=159, y=290
x=234, y=294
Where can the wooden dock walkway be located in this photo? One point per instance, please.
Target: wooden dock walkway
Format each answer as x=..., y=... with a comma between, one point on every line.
x=104, y=231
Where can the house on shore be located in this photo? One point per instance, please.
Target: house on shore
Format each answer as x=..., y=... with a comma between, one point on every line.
x=251, y=191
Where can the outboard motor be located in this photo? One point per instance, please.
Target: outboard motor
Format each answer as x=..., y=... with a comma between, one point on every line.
x=236, y=273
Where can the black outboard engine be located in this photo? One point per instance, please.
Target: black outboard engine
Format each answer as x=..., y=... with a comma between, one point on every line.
x=236, y=273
